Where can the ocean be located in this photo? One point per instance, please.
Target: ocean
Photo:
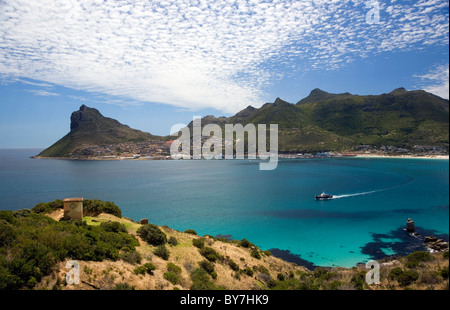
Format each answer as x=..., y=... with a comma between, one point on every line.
x=275, y=210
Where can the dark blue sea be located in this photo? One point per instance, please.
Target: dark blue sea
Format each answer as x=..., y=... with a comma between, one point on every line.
x=274, y=209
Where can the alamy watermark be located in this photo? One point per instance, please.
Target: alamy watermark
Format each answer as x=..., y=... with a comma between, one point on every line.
x=208, y=142
x=373, y=275
x=73, y=275
x=373, y=15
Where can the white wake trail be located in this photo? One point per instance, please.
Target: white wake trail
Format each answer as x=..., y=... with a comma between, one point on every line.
x=356, y=194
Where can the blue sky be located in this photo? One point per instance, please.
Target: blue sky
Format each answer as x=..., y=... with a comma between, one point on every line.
x=151, y=65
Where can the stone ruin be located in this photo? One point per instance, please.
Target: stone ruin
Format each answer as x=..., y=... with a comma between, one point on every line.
x=73, y=209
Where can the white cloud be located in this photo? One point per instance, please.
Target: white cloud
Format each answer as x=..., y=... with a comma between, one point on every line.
x=42, y=93
x=436, y=81
x=201, y=53
x=46, y=85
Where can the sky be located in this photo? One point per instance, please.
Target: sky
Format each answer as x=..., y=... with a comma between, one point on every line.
x=154, y=64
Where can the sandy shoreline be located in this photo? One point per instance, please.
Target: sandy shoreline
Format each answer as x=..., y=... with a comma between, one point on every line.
x=445, y=157
x=403, y=156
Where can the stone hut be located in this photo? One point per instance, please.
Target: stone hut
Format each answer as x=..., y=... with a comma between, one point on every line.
x=73, y=209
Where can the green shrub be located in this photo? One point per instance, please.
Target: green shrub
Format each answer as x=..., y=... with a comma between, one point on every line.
x=321, y=273
x=262, y=270
x=162, y=252
x=245, y=243
x=248, y=271
x=190, y=231
x=93, y=207
x=280, y=277
x=140, y=270
x=413, y=260
x=358, y=280
x=267, y=252
x=130, y=256
x=407, y=277
x=115, y=227
x=199, y=242
x=444, y=272
x=7, y=216
x=7, y=234
x=152, y=234
x=335, y=285
x=201, y=280
x=207, y=266
x=173, y=273
x=271, y=283
x=445, y=255
x=48, y=207
x=233, y=265
x=173, y=268
x=395, y=272
x=22, y=213
x=171, y=277
x=210, y=254
x=150, y=268
x=255, y=254
x=173, y=241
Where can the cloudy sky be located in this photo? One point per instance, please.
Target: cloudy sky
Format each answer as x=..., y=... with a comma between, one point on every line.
x=152, y=64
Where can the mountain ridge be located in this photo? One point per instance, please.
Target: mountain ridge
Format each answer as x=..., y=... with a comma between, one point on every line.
x=408, y=120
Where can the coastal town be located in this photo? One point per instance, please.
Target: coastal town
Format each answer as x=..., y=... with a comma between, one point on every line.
x=160, y=150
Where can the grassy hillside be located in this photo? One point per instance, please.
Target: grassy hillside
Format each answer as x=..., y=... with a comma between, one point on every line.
x=341, y=122
x=400, y=118
x=117, y=253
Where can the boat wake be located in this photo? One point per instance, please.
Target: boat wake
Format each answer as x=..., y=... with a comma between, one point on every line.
x=356, y=194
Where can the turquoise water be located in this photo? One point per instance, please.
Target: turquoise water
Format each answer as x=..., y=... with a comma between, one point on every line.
x=273, y=209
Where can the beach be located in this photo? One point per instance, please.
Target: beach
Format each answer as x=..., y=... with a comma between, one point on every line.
x=404, y=156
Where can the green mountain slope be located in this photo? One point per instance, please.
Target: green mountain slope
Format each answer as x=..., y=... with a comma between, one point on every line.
x=411, y=120
x=399, y=118
x=338, y=122
x=89, y=127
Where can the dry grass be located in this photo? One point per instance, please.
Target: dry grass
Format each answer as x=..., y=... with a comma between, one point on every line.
x=108, y=274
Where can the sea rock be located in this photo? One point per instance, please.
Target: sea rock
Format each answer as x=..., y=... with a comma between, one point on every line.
x=428, y=239
x=437, y=245
x=410, y=225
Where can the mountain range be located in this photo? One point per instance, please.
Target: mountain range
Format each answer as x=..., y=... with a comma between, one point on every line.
x=415, y=121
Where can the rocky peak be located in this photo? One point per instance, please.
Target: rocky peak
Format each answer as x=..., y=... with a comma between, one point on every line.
x=399, y=90
x=83, y=116
x=280, y=101
x=317, y=92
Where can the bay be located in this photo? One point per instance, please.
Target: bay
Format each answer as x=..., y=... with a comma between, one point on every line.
x=273, y=209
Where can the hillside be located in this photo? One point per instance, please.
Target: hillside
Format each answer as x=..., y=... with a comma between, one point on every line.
x=341, y=122
x=401, y=121
x=88, y=127
x=117, y=253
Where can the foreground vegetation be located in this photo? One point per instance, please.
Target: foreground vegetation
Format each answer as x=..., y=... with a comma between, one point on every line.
x=117, y=253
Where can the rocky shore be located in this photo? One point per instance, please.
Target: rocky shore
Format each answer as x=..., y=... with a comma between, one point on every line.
x=434, y=244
